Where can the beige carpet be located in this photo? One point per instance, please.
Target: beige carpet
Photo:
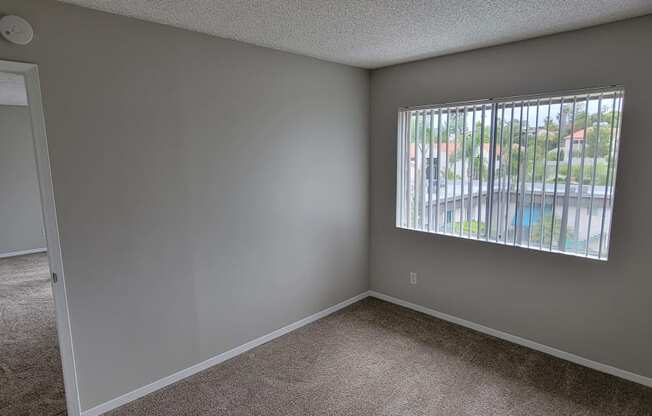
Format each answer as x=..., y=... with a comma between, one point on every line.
x=31, y=381
x=375, y=358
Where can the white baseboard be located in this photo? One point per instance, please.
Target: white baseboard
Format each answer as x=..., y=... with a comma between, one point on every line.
x=173, y=378
x=627, y=375
x=23, y=252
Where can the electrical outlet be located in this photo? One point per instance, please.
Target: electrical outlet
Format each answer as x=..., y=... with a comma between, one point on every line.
x=413, y=278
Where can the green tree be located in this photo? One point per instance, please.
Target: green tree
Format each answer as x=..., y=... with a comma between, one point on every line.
x=535, y=231
x=471, y=227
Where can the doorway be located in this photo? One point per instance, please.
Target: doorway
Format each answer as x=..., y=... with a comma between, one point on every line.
x=37, y=369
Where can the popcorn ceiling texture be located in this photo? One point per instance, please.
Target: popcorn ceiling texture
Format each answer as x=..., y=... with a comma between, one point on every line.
x=375, y=33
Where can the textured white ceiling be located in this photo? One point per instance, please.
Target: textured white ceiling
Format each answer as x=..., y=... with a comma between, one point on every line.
x=12, y=89
x=375, y=33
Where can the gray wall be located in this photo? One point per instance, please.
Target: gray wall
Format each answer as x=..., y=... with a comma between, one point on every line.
x=208, y=191
x=594, y=309
x=21, y=218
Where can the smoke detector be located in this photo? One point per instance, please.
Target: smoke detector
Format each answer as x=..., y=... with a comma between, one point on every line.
x=16, y=30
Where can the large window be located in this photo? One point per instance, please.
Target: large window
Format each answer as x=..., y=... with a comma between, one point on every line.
x=535, y=171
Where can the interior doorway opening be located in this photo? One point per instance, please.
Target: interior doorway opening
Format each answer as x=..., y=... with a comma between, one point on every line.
x=37, y=366
x=31, y=377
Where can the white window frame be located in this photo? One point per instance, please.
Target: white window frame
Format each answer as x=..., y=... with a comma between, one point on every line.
x=425, y=198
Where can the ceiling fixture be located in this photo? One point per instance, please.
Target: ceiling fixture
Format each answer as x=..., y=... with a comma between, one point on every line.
x=16, y=30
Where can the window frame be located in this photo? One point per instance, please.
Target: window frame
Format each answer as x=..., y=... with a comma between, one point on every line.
x=615, y=92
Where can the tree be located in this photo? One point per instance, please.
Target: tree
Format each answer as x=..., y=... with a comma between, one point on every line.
x=535, y=230
x=471, y=227
x=601, y=146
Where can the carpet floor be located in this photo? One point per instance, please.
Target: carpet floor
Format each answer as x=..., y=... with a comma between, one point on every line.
x=376, y=358
x=31, y=379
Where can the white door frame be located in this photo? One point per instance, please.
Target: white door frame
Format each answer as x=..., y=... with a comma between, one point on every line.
x=30, y=73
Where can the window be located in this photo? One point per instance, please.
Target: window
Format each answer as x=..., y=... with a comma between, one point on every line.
x=535, y=171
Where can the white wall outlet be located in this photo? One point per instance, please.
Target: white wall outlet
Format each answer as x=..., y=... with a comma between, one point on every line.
x=413, y=278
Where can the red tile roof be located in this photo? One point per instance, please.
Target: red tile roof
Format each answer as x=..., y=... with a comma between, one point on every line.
x=452, y=148
x=578, y=135
x=442, y=149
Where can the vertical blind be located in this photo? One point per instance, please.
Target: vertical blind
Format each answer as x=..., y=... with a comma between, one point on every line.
x=533, y=171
